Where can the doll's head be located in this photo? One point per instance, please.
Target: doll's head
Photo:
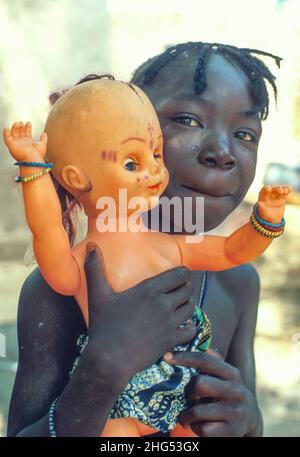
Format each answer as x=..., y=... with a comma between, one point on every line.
x=104, y=135
x=210, y=100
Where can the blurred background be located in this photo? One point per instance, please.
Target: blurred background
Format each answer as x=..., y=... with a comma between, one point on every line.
x=50, y=44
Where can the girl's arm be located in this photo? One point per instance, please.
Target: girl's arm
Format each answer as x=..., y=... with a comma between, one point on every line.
x=43, y=212
x=243, y=246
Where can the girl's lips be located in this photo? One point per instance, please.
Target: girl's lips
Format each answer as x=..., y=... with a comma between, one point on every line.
x=208, y=194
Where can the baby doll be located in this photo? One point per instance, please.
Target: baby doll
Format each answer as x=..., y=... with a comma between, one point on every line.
x=100, y=137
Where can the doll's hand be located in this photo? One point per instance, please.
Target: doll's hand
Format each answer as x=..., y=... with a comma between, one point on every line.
x=271, y=202
x=21, y=146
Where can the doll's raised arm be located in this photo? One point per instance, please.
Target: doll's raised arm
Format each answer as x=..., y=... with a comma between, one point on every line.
x=43, y=211
x=245, y=244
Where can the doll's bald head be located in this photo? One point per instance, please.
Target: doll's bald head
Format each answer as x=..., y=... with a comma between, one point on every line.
x=94, y=123
x=93, y=114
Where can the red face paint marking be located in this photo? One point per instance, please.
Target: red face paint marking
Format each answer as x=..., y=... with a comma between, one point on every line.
x=150, y=130
x=150, y=127
x=109, y=155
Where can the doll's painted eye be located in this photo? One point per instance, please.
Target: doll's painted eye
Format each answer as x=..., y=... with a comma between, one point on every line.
x=130, y=164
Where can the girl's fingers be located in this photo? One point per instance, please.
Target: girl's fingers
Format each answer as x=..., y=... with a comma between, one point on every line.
x=204, y=362
x=203, y=413
x=185, y=334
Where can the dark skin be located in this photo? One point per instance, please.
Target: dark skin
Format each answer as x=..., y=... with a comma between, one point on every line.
x=212, y=155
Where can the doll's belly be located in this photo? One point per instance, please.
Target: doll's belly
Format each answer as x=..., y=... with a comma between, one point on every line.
x=126, y=265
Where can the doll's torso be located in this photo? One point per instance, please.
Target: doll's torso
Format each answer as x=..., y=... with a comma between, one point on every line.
x=129, y=258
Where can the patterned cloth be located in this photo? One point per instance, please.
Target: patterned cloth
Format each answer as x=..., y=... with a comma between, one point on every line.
x=156, y=395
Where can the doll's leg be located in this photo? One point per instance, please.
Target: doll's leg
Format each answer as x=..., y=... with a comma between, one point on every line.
x=179, y=431
x=126, y=426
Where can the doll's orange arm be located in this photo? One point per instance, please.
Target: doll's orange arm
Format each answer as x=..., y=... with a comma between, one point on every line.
x=221, y=253
x=50, y=242
x=244, y=245
x=43, y=213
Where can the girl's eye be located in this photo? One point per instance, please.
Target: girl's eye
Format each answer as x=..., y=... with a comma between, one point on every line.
x=130, y=164
x=157, y=155
x=245, y=136
x=187, y=120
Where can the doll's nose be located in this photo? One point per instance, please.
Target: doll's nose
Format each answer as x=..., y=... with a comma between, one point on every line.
x=154, y=168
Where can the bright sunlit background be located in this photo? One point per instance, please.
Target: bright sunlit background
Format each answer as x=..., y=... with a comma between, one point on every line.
x=50, y=44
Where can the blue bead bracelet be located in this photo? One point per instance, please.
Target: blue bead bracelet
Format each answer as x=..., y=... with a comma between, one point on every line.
x=34, y=164
x=266, y=223
x=52, y=410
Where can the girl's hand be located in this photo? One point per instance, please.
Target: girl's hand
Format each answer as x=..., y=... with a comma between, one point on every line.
x=271, y=202
x=219, y=404
x=20, y=144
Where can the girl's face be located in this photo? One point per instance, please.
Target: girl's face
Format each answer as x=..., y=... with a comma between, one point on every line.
x=211, y=139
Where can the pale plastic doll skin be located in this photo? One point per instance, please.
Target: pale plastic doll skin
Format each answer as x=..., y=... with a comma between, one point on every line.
x=123, y=151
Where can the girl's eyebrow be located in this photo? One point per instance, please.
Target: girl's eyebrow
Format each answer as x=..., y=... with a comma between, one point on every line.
x=134, y=138
x=249, y=113
x=192, y=98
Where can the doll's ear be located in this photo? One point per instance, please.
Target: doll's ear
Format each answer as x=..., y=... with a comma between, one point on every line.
x=74, y=178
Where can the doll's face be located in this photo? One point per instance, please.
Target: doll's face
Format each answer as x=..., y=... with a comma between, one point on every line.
x=133, y=162
x=104, y=136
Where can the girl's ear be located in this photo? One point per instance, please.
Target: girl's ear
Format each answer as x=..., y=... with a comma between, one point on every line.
x=75, y=179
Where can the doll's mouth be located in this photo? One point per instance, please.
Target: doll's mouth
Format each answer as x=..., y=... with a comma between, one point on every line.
x=155, y=188
x=207, y=194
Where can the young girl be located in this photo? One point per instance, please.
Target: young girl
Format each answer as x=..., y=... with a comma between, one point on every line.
x=104, y=136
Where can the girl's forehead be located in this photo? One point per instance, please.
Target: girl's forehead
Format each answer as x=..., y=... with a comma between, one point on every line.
x=177, y=79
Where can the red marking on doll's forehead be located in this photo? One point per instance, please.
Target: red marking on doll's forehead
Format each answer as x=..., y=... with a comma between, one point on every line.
x=109, y=155
x=134, y=138
x=150, y=127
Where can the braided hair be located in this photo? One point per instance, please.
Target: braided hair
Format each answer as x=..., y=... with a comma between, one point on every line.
x=254, y=68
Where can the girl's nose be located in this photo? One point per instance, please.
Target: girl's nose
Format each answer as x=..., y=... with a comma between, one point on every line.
x=216, y=155
x=219, y=159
